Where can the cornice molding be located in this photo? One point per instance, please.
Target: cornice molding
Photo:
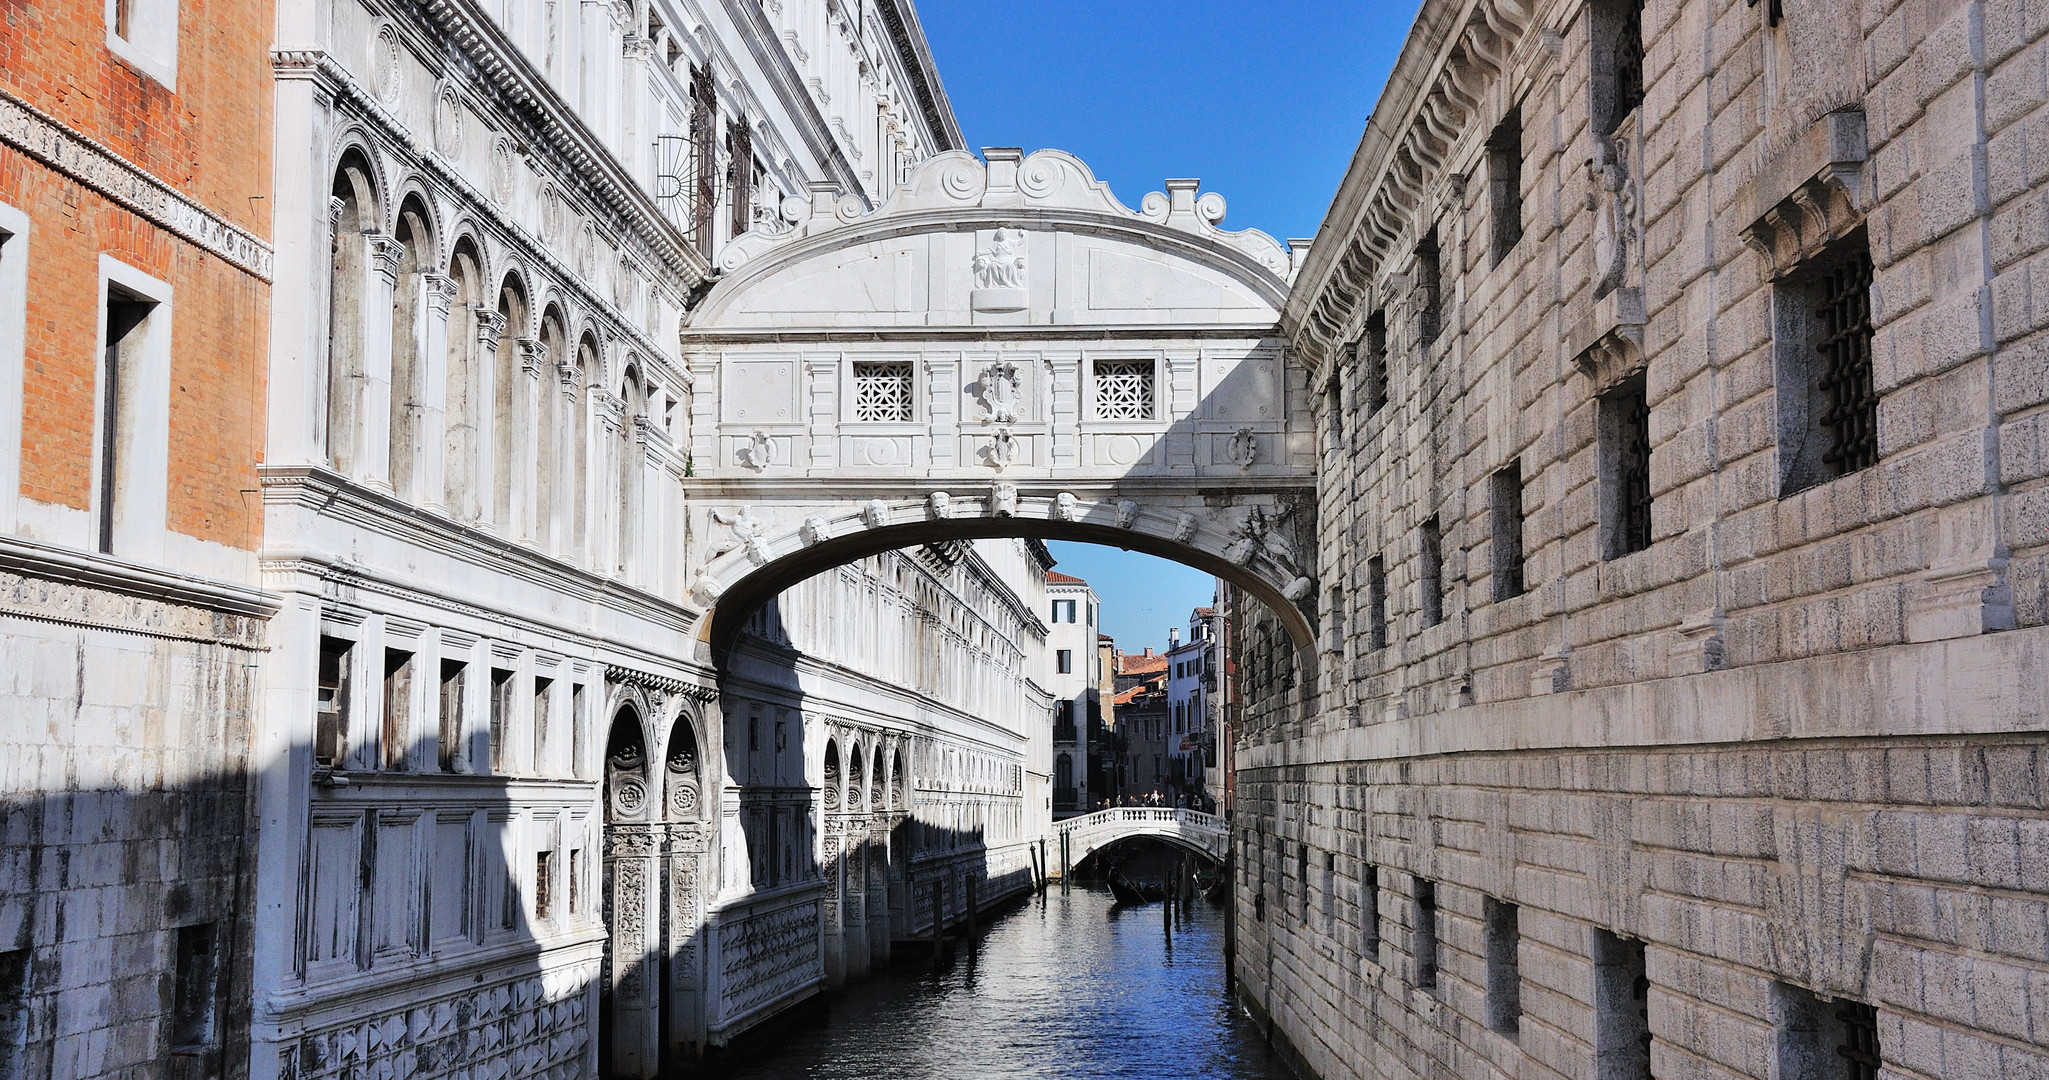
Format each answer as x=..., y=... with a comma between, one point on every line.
x=476, y=40
x=60, y=585
x=87, y=161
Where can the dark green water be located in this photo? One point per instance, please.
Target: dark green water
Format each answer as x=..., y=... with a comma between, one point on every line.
x=1065, y=986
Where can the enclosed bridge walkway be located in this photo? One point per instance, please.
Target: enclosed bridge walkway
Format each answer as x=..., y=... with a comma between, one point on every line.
x=1002, y=349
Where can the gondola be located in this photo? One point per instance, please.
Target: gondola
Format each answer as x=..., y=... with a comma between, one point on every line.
x=1124, y=889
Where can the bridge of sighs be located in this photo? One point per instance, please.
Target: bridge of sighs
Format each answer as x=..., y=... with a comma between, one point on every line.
x=1002, y=349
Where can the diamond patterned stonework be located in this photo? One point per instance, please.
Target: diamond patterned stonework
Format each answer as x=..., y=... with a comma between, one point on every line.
x=1124, y=390
x=882, y=391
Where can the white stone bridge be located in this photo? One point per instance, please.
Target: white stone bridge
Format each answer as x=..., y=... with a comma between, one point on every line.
x=1002, y=349
x=1204, y=834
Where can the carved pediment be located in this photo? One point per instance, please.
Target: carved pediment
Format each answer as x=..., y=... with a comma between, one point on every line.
x=1809, y=194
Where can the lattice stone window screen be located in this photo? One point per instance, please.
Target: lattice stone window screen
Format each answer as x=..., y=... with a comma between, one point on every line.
x=883, y=391
x=1124, y=389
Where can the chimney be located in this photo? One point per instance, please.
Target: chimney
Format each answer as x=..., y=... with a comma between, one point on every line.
x=1173, y=638
x=1149, y=650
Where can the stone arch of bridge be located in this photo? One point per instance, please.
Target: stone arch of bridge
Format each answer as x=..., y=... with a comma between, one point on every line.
x=1237, y=541
x=1087, y=848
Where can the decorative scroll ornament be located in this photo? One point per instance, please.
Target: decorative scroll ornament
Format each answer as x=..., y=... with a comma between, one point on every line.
x=1003, y=499
x=1066, y=507
x=1127, y=513
x=816, y=529
x=748, y=534
x=706, y=589
x=759, y=452
x=940, y=504
x=875, y=512
x=1001, y=391
x=1002, y=449
x=629, y=796
x=1244, y=448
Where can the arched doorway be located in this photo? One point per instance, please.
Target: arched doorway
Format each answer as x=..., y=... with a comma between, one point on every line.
x=628, y=1010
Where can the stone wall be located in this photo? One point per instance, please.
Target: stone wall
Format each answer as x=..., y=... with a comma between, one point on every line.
x=125, y=807
x=1777, y=740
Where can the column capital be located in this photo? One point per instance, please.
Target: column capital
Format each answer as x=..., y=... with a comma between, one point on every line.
x=386, y=252
x=533, y=356
x=490, y=324
x=441, y=291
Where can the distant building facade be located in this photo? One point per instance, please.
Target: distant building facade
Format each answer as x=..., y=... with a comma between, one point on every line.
x=1072, y=675
x=1191, y=688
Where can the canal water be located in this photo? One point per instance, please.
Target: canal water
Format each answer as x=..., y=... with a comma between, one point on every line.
x=1065, y=986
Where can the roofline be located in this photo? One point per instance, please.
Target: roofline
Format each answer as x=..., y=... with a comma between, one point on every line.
x=908, y=34
x=1392, y=111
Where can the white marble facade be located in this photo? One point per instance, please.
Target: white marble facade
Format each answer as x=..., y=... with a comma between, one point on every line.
x=499, y=786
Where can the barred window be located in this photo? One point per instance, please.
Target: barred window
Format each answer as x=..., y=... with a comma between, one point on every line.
x=1827, y=404
x=882, y=391
x=1625, y=445
x=1124, y=389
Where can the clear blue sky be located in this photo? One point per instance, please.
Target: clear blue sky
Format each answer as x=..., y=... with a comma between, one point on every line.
x=1142, y=596
x=1264, y=100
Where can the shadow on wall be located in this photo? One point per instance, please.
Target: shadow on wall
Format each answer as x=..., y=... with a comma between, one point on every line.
x=125, y=930
x=812, y=859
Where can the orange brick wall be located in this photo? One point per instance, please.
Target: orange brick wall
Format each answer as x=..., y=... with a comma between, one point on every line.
x=210, y=140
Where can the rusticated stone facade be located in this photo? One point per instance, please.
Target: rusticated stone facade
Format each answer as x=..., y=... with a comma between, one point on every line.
x=1678, y=708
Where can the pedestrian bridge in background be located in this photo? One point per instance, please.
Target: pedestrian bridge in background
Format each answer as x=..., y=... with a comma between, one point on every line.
x=1202, y=833
x=1001, y=349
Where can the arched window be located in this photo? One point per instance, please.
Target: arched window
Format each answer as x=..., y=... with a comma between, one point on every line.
x=875, y=782
x=832, y=776
x=683, y=780
x=353, y=211
x=505, y=378
x=408, y=334
x=626, y=768
x=462, y=394
x=901, y=793
x=856, y=791
x=551, y=524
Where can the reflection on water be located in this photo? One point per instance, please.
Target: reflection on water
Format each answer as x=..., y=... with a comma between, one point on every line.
x=1063, y=986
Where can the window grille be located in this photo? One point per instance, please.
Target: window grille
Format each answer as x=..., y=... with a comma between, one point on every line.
x=1851, y=416
x=1628, y=64
x=1124, y=389
x=1626, y=428
x=1375, y=362
x=1859, y=1049
x=882, y=391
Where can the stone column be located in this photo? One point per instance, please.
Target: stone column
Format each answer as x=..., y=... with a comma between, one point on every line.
x=856, y=904
x=835, y=946
x=1067, y=399
x=821, y=392
x=526, y=463
x=604, y=472
x=944, y=372
x=373, y=409
x=484, y=397
x=878, y=890
x=634, y=881
x=563, y=479
x=685, y=924
x=430, y=477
